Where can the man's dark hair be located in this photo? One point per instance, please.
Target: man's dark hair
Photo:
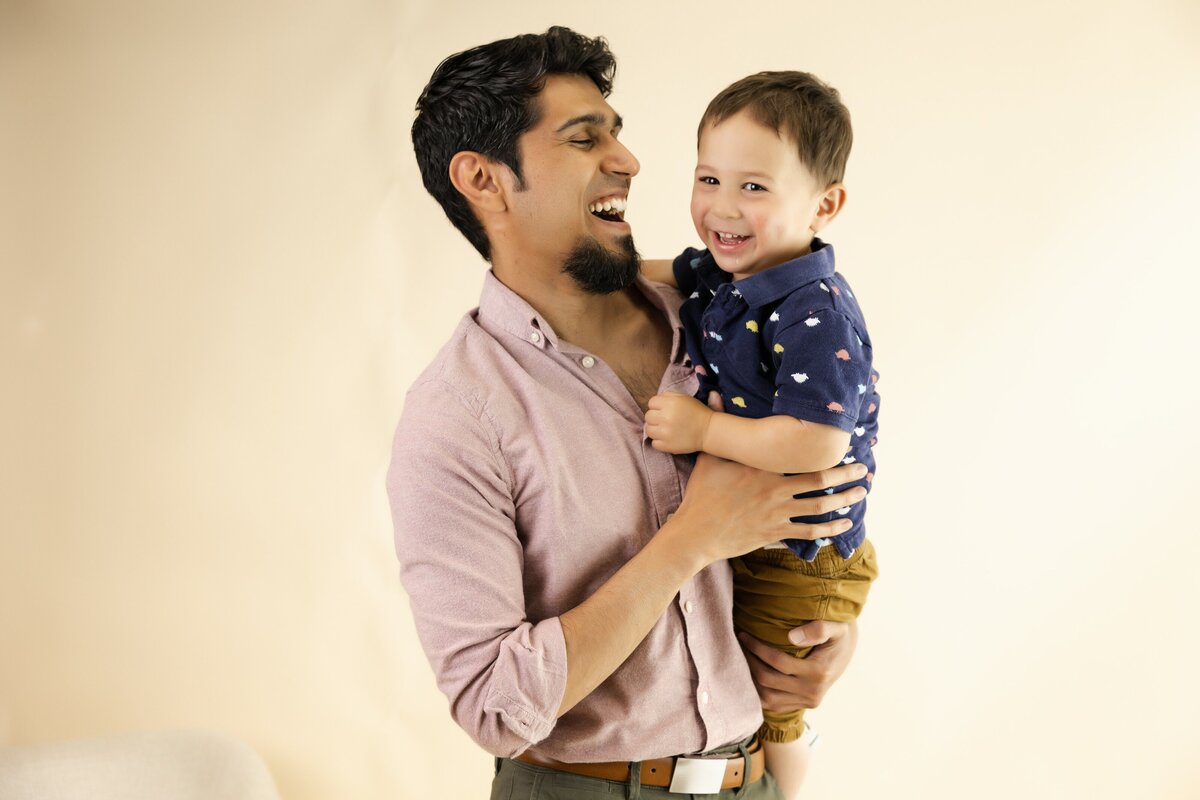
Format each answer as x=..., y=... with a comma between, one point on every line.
x=796, y=104
x=484, y=98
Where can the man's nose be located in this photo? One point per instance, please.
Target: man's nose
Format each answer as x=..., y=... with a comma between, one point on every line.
x=621, y=160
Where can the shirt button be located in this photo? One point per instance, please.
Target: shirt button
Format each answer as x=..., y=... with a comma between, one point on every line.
x=704, y=698
x=589, y=362
x=688, y=606
x=535, y=337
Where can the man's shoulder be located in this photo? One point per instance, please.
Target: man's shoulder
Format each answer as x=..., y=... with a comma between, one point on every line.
x=462, y=368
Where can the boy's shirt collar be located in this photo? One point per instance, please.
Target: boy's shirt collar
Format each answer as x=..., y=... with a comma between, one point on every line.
x=775, y=282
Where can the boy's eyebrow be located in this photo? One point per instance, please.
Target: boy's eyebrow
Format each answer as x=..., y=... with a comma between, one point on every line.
x=593, y=118
x=751, y=174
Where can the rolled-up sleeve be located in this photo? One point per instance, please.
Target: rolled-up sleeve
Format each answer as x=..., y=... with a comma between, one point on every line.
x=461, y=564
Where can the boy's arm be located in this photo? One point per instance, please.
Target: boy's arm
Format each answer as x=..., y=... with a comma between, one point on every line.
x=776, y=444
x=782, y=444
x=658, y=270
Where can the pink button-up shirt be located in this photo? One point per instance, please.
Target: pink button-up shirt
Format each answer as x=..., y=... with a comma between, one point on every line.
x=521, y=480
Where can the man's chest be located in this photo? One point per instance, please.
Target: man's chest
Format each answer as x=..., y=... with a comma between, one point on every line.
x=641, y=381
x=640, y=364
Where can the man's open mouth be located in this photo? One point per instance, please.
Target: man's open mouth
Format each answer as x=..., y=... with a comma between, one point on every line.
x=610, y=209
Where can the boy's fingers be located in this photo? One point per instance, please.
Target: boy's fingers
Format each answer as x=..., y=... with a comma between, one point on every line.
x=714, y=401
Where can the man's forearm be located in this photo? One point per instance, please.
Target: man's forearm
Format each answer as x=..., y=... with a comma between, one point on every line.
x=602, y=631
x=728, y=509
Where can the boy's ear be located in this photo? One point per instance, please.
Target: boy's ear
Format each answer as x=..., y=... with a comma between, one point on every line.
x=478, y=179
x=831, y=204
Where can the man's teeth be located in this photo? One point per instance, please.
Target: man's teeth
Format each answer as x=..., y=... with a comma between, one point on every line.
x=610, y=204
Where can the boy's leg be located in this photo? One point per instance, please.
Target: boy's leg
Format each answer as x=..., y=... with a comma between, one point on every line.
x=774, y=591
x=788, y=764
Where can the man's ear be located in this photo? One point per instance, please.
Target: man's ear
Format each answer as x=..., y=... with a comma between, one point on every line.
x=832, y=202
x=476, y=177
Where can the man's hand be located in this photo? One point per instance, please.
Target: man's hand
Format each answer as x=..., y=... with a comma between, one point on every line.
x=729, y=509
x=677, y=423
x=786, y=683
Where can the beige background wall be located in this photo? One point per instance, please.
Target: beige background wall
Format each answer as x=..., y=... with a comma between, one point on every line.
x=218, y=273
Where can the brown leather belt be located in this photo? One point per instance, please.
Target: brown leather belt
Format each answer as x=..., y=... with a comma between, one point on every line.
x=660, y=771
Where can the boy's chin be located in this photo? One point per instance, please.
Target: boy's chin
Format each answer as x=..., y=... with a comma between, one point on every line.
x=738, y=267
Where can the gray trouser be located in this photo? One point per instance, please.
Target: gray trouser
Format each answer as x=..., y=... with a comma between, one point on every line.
x=516, y=780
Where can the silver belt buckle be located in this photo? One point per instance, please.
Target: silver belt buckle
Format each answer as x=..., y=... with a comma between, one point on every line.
x=698, y=775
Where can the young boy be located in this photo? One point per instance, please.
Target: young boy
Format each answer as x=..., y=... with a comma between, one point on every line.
x=779, y=335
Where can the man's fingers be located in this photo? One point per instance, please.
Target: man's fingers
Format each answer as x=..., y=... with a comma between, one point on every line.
x=824, y=503
x=817, y=632
x=812, y=531
x=781, y=701
x=828, y=478
x=778, y=691
x=773, y=658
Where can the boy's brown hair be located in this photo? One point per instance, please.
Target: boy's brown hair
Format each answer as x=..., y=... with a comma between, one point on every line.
x=796, y=104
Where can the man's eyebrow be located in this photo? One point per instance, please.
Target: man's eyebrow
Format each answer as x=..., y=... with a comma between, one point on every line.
x=591, y=119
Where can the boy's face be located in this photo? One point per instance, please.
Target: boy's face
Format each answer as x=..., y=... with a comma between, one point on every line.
x=753, y=203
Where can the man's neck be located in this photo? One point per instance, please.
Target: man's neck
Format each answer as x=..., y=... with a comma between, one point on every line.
x=586, y=320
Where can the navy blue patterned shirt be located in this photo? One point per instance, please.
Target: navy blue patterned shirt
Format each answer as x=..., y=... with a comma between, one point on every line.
x=788, y=340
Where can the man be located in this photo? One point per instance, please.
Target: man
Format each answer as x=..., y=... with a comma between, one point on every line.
x=573, y=600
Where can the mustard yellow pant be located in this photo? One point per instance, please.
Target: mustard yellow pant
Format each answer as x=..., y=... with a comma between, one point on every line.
x=774, y=591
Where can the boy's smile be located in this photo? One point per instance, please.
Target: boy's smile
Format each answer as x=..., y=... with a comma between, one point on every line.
x=754, y=204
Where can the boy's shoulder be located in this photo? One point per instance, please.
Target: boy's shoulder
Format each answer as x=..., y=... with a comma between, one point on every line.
x=830, y=293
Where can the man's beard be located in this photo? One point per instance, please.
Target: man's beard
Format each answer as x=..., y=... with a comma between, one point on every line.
x=598, y=270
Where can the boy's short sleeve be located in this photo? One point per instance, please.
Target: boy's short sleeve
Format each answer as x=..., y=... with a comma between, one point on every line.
x=822, y=368
x=684, y=266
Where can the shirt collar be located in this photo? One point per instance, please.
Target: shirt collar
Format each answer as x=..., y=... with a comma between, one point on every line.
x=506, y=309
x=776, y=282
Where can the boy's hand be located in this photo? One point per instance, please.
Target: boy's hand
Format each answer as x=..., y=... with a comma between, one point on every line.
x=677, y=423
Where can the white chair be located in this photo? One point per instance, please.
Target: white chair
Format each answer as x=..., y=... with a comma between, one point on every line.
x=176, y=765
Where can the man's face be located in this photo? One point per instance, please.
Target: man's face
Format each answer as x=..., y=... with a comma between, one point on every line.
x=577, y=177
x=754, y=203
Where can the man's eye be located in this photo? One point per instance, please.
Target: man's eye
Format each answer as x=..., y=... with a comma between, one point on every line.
x=754, y=187
x=583, y=142
x=711, y=181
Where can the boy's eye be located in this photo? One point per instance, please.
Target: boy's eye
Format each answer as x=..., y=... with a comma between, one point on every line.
x=711, y=181
x=754, y=187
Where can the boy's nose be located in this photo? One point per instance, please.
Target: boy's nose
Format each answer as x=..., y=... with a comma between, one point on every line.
x=725, y=209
